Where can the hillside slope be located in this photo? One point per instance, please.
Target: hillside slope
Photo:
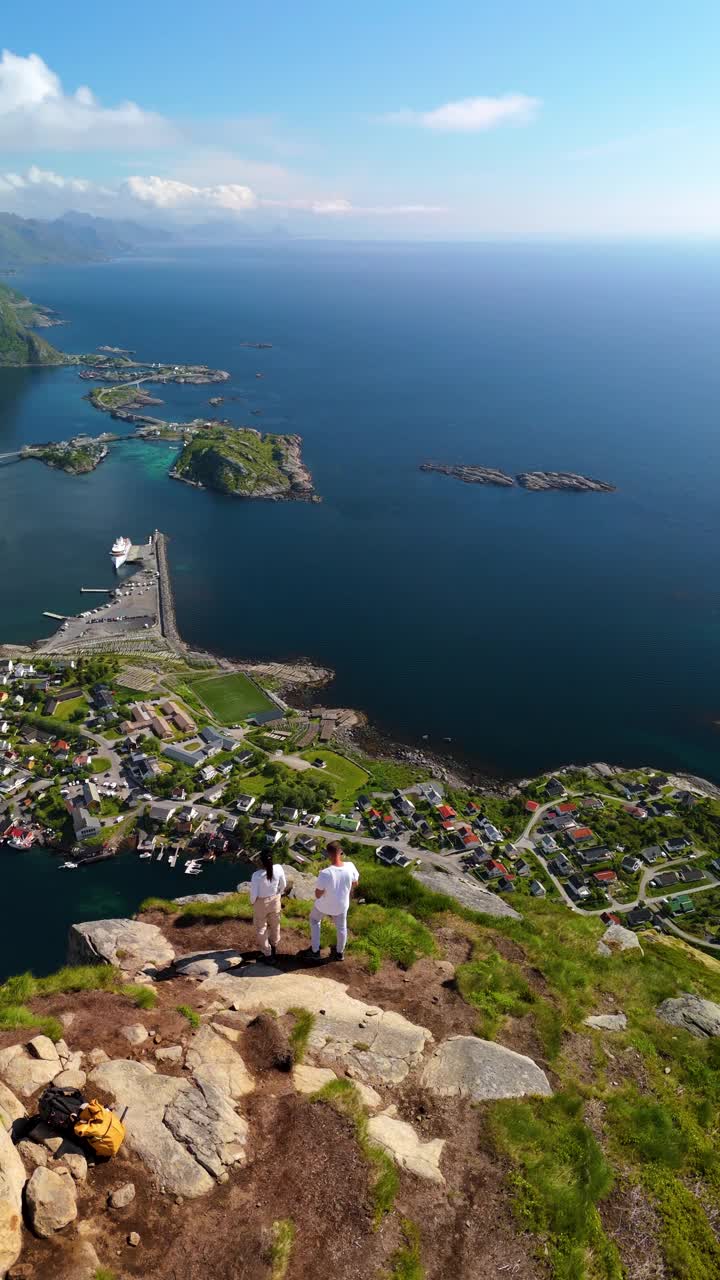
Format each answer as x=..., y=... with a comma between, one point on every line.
x=18, y=344
x=439, y=1092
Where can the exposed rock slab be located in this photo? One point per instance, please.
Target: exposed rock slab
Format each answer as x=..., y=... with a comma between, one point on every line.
x=402, y=1144
x=51, y=1201
x=206, y=964
x=42, y=1047
x=12, y=1181
x=467, y=1067
x=71, y=1080
x=25, y=1075
x=183, y=1131
x=371, y=1043
x=130, y=944
x=606, y=1021
x=467, y=891
x=213, y=1060
x=617, y=938
x=700, y=1017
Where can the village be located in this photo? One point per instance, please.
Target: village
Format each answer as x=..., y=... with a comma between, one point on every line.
x=189, y=765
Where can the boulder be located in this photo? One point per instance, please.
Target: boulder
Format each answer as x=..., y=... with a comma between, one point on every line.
x=466, y=891
x=467, y=1067
x=32, y=1154
x=700, y=1017
x=122, y=1196
x=136, y=1034
x=12, y=1181
x=403, y=1145
x=7, y=1055
x=70, y=1080
x=96, y=1056
x=617, y=938
x=58, y=1144
x=51, y=1201
x=130, y=944
x=369, y=1043
x=25, y=1075
x=76, y=1164
x=182, y=1130
x=171, y=1053
x=42, y=1047
x=11, y=1108
x=206, y=964
x=606, y=1021
x=213, y=1060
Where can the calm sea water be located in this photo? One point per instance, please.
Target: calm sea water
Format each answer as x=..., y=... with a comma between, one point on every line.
x=530, y=629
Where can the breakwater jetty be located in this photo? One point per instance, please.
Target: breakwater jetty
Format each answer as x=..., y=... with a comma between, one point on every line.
x=166, y=600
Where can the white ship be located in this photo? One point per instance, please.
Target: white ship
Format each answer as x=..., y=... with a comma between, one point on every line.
x=120, y=551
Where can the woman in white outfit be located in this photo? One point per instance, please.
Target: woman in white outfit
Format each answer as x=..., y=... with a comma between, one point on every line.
x=266, y=888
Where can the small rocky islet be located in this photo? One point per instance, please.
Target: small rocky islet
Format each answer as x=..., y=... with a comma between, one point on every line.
x=535, y=481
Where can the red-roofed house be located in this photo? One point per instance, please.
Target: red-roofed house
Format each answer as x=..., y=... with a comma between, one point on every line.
x=446, y=812
x=469, y=838
x=531, y=806
x=448, y=826
x=61, y=747
x=567, y=807
x=495, y=869
x=605, y=877
x=579, y=834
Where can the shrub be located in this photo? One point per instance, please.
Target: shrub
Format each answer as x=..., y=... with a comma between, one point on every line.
x=192, y=1016
x=388, y=933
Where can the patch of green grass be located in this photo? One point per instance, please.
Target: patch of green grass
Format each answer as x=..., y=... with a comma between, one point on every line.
x=192, y=1015
x=104, y=1273
x=300, y=1034
x=99, y=764
x=690, y=1248
x=17, y=991
x=166, y=905
x=283, y=1239
x=560, y=1178
x=236, y=906
x=405, y=1263
x=346, y=778
x=15, y=1017
x=496, y=988
x=381, y=933
x=344, y=1097
x=230, y=698
x=141, y=996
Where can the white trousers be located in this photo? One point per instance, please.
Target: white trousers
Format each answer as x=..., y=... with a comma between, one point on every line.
x=340, y=922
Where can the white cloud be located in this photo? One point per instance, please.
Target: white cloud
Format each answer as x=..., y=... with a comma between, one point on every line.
x=166, y=193
x=470, y=115
x=35, y=111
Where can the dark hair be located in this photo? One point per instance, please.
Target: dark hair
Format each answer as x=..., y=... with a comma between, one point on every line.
x=266, y=860
x=334, y=848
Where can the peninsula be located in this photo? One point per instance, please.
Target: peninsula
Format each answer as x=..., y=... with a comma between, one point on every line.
x=76, y=456
x=535, y=481
x=18, y=345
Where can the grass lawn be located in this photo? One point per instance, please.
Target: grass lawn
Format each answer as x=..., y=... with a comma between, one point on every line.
x=347, y=778
x=230, y=698
x=99, y=764
x=64, y=710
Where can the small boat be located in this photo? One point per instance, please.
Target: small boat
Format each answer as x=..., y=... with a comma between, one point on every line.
x=147, y=854
x=193, y=868
x=172, y=858
x=68, y=866
x=161, y=854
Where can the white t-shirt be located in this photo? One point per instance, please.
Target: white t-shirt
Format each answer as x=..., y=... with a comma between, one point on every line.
x=261, y=887
x=337, y=883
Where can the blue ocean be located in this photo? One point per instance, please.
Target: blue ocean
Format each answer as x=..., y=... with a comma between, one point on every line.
x=528, y=629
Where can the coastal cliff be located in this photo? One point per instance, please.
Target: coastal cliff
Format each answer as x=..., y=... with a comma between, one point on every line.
x=18, y=344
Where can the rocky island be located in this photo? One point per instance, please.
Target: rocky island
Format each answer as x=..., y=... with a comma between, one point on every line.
x=535, y=481
x=568, y=480
x=470, y=474
x=243, y=462
x=76, y=456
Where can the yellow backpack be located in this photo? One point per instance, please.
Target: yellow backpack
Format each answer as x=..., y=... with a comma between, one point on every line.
x=101, y=1128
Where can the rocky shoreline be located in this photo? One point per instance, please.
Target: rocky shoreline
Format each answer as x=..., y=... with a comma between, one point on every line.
x=533, y=481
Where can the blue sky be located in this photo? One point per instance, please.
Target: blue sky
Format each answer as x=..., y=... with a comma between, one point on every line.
x=385, y=119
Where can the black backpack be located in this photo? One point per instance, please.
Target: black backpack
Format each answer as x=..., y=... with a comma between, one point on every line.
x=60, y=1108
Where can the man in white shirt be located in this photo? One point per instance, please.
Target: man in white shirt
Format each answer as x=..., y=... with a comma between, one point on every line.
x=335, y=884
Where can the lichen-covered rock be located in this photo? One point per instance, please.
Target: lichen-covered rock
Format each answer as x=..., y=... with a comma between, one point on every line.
x=467, y=1067
x=131, y=944
x=700, y=1017
x=606, y=1021
x=617, y=938
x=12, y=1181
x=51, y=1201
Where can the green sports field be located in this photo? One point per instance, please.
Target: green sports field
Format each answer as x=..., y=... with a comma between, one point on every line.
x=232, y=698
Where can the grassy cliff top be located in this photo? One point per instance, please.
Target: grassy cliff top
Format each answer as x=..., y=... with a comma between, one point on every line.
x=240, y=461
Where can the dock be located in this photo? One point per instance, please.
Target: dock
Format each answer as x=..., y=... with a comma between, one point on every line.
x=59, y=617
x=96, y=591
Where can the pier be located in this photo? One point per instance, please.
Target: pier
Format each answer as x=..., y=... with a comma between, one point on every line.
x=92, y=591
x=59, y=617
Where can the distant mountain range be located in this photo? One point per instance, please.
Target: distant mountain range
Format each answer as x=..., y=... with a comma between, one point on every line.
x=75, y=237
x=81, y=237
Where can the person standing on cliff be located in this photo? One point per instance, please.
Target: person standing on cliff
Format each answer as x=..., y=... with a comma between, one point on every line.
x=334, y=887
x=266, y=889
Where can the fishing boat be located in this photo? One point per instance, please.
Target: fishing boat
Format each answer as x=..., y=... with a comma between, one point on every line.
x=68, y=866
x=161, y=854
x=193, y=868
x=172, y=858
x=146, y=854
